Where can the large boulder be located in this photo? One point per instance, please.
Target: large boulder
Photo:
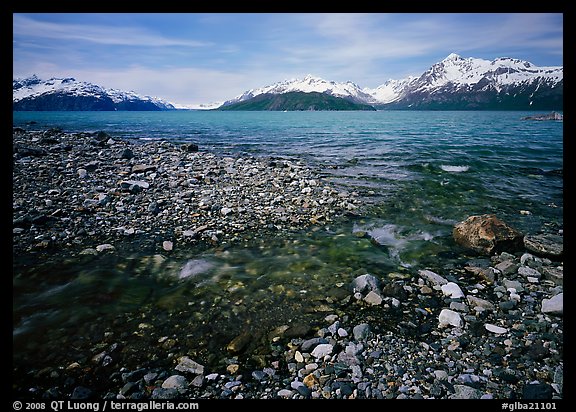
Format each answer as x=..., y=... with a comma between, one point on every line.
x=486, y=234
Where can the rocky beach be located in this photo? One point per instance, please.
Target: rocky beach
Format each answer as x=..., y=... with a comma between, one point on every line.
x=488, y=325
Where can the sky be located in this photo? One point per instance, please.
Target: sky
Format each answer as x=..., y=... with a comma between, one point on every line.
x=202, y=58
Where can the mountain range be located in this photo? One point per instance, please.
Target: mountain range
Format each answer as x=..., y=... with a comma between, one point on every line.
x=455, y=83
x=66, y=94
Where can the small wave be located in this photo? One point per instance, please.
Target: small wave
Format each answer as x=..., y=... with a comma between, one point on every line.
x=195, y=267
x=33, y=323
x=390, y=235
x=454, y=169
x=440, y=221
x=387, y=235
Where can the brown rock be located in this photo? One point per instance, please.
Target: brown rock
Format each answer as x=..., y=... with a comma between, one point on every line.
x=239, y=343
x=486, y=274
x=486, y=234
x=297, y=330
x=311, y=381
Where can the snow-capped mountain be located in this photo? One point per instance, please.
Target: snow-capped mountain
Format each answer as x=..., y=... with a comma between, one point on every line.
x=389, y=91
x=454, y=83
x=471, y=71
x=472, y=83
x=308, y=84
x=32, y=93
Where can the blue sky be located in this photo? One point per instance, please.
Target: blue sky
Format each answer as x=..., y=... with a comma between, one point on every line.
x=196, y=58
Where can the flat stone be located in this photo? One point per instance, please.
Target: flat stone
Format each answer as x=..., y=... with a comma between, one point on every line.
x=175, y=382
x=554, y=305
x=143, y=168
x=495, y=329
x=545, y=245
x=373, y=298
x=555, y=274
x=434, y=278
x=185, y=364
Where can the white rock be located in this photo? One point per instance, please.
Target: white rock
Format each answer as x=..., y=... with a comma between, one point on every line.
x=226, y=211
x=285, y=393
x=296, y=384
x=453, y=290
x=185, y=364
x=365, y=282
x=322, y=350
x=141, y=183
x=298, y=357
x=529, y=272
x=525, y=257
x=495, y=329
x=554, y=305
x=515, y=296
x=342, y=332
x=441, y=374
x=212, y=376
x=449, y=317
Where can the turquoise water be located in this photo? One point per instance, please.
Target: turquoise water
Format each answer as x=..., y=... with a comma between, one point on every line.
x=417, y=172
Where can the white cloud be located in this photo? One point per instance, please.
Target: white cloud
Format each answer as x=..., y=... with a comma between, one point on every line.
x=177, y=85
x=100, y=34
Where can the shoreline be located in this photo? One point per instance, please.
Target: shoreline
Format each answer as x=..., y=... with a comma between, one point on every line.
x=73, y=189
x=489, y=329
